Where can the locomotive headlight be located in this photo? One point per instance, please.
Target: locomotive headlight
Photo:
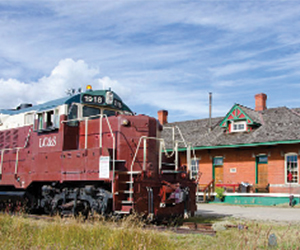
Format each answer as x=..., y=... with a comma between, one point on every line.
x=109, y=97
x=125, y=122
x=89, y=88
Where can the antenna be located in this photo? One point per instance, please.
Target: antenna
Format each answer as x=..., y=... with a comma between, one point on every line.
x=68, y=92
x=210, y=104
x=71, y=92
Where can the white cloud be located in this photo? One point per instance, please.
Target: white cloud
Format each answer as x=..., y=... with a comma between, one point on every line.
x=145, y=56
x=67, y=74
x=121, y=90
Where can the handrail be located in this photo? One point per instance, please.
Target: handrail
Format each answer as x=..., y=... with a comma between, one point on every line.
x=183, y=140
x=144, y=139
x=175, y=147
x=175, y=142
x=225, y=185
x=209, y=188
x=2, y=155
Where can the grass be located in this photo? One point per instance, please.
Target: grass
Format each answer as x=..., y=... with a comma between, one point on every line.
x=19, y=232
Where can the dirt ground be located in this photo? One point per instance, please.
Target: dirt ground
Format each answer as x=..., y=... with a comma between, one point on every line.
x=279, y=214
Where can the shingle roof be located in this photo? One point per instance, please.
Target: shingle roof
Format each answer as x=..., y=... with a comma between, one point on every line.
x=277, y=125
x=254, y=115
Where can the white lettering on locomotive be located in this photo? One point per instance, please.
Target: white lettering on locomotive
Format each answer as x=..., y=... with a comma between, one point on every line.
x=47, y=142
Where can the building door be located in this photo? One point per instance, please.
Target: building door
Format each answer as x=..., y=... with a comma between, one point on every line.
x=262, y=170
x=218, y=172
x=262, y=174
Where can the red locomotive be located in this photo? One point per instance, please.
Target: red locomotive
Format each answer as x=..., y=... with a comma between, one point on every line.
x=89, y=153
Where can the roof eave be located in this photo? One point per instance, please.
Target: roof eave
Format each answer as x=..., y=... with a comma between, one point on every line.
x=255, y=144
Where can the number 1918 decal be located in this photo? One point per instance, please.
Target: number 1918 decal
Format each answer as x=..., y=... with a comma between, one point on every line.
x=93, y=99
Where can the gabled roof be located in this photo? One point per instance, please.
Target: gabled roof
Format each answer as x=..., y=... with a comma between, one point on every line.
x=238, y=113
x=278, y=125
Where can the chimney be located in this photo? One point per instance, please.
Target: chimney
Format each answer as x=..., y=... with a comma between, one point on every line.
x=162, y=116
x=260, y=102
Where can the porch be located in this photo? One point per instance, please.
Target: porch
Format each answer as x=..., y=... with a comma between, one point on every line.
x=207, y=192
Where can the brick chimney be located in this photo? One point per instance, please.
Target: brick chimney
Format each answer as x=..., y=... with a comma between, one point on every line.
x=260, y=102
x=162, y=116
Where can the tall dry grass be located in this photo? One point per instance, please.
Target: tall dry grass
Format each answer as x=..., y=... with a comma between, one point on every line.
x=18, y=232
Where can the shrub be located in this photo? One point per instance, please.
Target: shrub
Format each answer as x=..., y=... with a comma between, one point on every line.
x=220, y=193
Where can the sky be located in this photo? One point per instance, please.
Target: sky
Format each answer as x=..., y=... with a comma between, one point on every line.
x=155, y=54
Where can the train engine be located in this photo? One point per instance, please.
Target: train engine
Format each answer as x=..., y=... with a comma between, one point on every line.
x=89, y=153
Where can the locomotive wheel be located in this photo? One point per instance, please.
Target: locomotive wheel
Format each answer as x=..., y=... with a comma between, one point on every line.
x=76, y=201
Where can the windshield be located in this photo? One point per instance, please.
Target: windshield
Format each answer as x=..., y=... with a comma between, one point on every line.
x=90, y=111
x=109, y=112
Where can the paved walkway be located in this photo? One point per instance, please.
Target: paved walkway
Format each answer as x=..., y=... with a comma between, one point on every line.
x=291, y=215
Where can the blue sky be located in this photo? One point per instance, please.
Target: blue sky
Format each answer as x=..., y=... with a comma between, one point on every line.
x=166, y=54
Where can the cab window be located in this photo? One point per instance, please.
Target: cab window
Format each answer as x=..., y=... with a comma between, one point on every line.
x=47, y=121
x=73, y=115
x=73, y=112
x=90, y=111
x=109, y=112
x=40, y=121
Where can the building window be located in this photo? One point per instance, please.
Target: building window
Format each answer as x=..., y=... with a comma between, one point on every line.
x=238, y=126
x=194, y=168
x=218, y=161
x=262, y=159
x=291, y=168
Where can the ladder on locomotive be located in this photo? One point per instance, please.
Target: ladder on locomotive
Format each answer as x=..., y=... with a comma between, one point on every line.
x=126, y=182
x=124, y=192
x=127, y=178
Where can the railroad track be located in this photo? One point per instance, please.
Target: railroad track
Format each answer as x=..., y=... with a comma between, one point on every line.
x=185, y=228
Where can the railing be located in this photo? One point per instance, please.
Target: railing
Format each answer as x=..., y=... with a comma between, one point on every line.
x=209, y=190
x=228, y=185
x=173, y=135
x=144, y=140
x=175, y=148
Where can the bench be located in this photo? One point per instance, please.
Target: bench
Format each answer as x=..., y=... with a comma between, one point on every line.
x=261, y=188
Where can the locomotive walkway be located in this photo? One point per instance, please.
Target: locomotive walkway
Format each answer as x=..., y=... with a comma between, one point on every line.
x=272, y=214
